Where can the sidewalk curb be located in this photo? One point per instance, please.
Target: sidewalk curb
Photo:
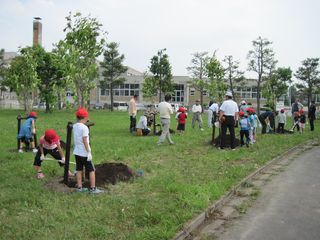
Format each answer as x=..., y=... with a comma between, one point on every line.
x=193, y=224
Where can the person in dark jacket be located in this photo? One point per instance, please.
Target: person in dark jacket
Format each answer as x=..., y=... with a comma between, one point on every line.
x=312, y=115
x=267, y=117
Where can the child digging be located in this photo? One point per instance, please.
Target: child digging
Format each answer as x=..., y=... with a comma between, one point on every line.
x=244, y=128
x=27, y=130
x=49, y=144
x=82, y=152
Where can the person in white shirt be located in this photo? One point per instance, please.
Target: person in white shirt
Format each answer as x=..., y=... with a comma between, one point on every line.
x=133, y=112
x=282, y=121
x=212, y=113
x=165, y=110
x=228, y=117
x=82, y=151
x=143, y=125
x=197, y=110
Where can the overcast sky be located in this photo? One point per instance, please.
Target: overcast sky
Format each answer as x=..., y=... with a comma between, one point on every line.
x=183, y=27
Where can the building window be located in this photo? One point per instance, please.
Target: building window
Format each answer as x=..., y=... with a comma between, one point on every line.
x=178, y=93
x=122, y=90
x=192, y=91
x=204, y=93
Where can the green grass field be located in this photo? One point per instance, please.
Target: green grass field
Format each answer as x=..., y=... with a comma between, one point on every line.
x=180, y=180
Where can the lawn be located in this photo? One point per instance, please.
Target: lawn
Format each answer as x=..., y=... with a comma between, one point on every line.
x=179, y=182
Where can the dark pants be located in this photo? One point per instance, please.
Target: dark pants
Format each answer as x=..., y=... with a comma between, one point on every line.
x=227, y=124
x=145, y=131
x=311, y=120
x=264, y=125
x=242, y=134
x=280, y=128
x=132, y=123
x=53, y=152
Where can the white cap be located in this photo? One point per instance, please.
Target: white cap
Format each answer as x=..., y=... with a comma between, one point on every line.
x=243, y=102
x=229, y=93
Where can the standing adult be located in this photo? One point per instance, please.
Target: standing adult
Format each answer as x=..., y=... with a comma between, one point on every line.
x=197, y=111
x=296, y=107
x=243, y=107
x=265, y=118
x=312, y=115
x=133, y=112
x=212, y=113
x=229, y=114
x=165, y=110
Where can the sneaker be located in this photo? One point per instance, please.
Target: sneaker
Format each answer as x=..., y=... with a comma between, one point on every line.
x=40, y=175
x=159, y=143
x=233, y=149
x=20, y=151
x=95, y=190
x=201, y=129
x=82, y=189
x=171, y=143
x=34, y=150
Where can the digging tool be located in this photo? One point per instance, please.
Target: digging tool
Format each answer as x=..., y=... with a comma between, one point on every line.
x=59, y=160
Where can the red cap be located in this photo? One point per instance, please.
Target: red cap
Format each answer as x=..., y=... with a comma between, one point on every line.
x=51, y=135
x=82, y=113
x=282, y=110
x=241, y=113
x=181, y=109
x=301, y=111
x=33, y=114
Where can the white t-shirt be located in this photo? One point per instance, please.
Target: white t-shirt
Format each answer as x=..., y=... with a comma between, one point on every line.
x=142, y=122
x=229, y=107
x=196, y=108
x=214, y=107
x=79, y=131
x=165, y=110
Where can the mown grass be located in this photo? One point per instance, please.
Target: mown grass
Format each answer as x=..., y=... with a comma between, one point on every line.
x=180, y=181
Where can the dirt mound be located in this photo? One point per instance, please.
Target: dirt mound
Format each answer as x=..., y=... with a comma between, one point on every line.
x=228, y=141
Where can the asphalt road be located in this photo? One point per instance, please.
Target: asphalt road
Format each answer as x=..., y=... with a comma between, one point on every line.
x=288, y=207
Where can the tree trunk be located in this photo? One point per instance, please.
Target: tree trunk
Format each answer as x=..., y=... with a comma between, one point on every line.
x=231, y=88
x=47, y=105
x=258, y=95
x=59, y=100
x=111, y=97
x=201, y=99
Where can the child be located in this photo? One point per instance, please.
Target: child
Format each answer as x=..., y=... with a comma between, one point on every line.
x=244, y=128
x=296, y=121
x=142, y=126
x=253, y=120
x=181, y=117
x=302, y=123
x=82, y=151
x=282, y=121
x=27, y=130
x=49, y=143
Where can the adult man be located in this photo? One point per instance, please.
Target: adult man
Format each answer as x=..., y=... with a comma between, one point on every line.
x=312, y=115
x=212, y=113
x=165, y=110
x=243, y=107
x=296, y=107
x=197, y=110
x=133, y=112
x=229, y=114
x=267, y=117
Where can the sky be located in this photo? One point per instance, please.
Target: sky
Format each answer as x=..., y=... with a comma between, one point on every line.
x=183, y=27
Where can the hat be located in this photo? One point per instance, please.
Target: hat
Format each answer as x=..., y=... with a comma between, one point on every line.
x=198, y=100
x=229, y=93
x=51, y=135
x=241, y=113
x=250, y=110
x=301, y=111
x=243, y=102
x=181, y=109
x=282, y=110
x=82, y=113
x=33, y=114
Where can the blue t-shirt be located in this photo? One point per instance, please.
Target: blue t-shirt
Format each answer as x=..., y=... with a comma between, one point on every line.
x=26, y=129
x=244, y=124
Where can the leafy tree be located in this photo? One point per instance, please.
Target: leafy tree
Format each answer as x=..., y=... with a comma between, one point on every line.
x=22, y=77
x=261, y=60
x=2, y=70
x=83, y=43
x=277, y=85
x=233, y=74
x=309, y=76
x=161, y=75
x=113, y=68
x=199, y=72
x=149, y=87
x=216, y=72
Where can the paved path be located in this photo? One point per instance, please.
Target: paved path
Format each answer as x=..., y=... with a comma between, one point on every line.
x=288, y=207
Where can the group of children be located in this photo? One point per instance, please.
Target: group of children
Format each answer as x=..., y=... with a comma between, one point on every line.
x=50, y=144
x=248, y=123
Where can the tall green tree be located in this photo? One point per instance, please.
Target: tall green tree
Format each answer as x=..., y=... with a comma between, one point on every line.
x=160, y=80
x=2, y=70
x=277, y=85
x=22, y=77
x=198, y=72
x=233, y=74
x=83, y=43
x=216, y=85
x=309, y=76
x=113, y=68
x=262, y=61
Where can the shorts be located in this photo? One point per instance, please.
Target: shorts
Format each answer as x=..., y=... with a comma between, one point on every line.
x=181, y=127
x=302, y=125
x=82, y=162
x=53, y=152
